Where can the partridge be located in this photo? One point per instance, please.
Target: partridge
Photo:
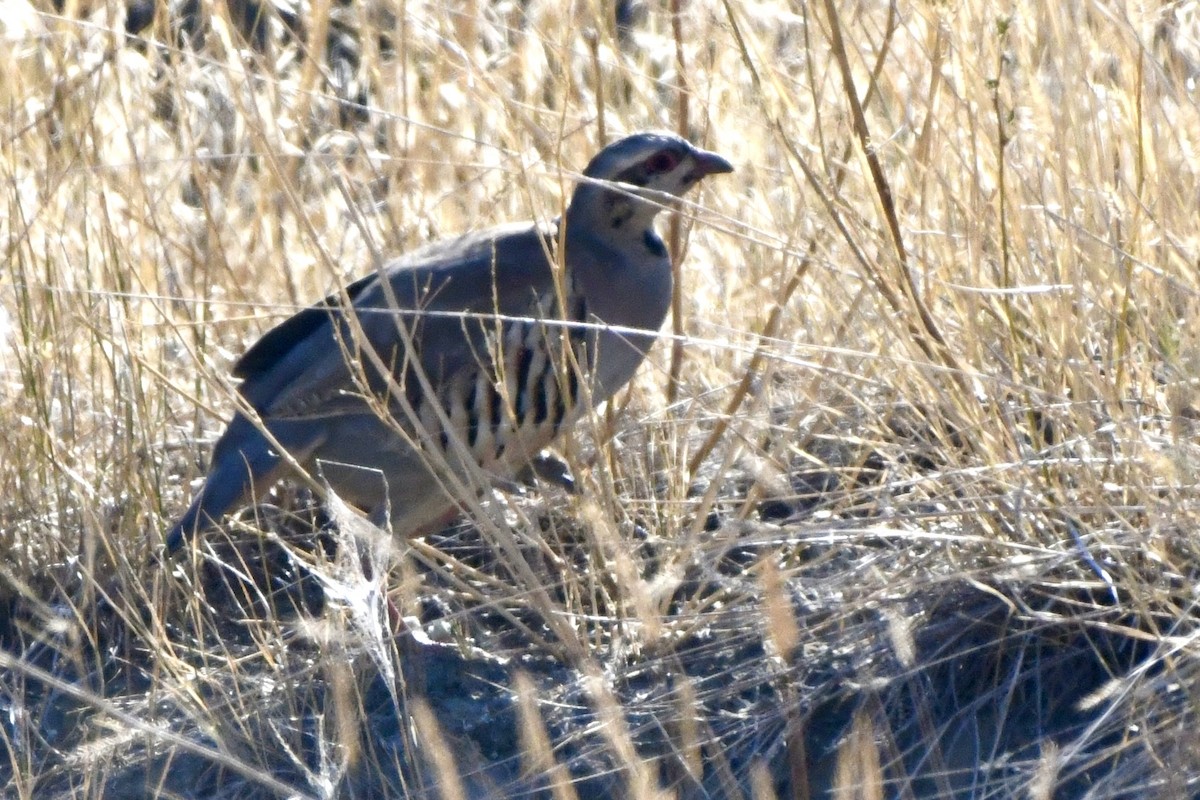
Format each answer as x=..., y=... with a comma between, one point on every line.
x=469, y=354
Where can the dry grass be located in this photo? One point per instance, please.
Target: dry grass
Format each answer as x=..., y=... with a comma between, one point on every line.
x=908, y=510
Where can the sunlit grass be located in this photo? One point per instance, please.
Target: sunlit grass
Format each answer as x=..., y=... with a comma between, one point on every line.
x=939, y=330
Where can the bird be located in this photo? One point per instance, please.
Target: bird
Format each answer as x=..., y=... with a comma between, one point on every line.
x=472, y=353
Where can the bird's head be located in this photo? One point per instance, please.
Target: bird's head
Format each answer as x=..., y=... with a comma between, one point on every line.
x=631, y=180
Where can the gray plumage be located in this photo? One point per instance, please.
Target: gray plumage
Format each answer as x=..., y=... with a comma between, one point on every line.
x=461, y=355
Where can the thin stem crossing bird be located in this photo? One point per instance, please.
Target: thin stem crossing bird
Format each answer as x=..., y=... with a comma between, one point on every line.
x=465, y=355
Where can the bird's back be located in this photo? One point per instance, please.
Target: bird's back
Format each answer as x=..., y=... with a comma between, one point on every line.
x=303, y=359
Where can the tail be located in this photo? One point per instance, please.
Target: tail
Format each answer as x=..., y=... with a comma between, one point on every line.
x=243, y=463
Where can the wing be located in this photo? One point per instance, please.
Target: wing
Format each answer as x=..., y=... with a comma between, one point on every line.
x=308, y=366
x=275, y=343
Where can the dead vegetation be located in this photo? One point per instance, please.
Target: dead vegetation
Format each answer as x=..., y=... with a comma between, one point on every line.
x=902, y=507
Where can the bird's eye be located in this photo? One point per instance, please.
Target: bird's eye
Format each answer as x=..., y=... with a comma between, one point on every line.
x=662, y=161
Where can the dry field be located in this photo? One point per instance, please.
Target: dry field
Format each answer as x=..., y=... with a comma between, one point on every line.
x=903, y=505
